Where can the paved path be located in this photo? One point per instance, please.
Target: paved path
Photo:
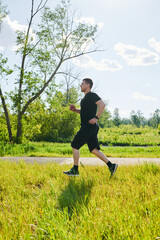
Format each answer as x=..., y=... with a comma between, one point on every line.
x=85, y=161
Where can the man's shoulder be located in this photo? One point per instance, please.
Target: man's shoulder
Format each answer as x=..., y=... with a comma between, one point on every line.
x=95, y=95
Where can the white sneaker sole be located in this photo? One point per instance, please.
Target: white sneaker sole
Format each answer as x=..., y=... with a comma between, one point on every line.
x=72, y=175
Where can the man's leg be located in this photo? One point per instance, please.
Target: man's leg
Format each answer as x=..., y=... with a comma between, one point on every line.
x=78, y=142
x=74, y=170
x=100, y=155
x=112, y=166
x=75, y=156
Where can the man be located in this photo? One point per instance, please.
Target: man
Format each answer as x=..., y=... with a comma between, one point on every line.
x=89, y=128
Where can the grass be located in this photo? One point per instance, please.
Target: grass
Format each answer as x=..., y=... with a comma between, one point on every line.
x=127, y=135
x=40, y=202
x=44, y=149
x=123, y=141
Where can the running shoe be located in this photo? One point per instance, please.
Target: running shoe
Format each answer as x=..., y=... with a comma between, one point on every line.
x=72, y=172
x=113, y=169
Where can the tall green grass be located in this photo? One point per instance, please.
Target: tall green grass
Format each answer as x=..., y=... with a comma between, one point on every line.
x=127, y=135
x=44, y=149
x=123, y=141
x=40, y=202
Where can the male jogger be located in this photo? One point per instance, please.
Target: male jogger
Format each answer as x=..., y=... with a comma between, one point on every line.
x=89, y=128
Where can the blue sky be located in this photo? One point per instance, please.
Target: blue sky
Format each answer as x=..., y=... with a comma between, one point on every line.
x=127, y=73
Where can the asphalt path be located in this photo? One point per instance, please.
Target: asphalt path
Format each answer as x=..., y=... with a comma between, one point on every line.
x=85, y=161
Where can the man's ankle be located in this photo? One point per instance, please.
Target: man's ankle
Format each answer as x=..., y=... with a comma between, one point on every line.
x=109, y=164
x=75, y=167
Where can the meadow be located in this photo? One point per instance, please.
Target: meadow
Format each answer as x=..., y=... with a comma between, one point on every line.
x=44, y=149
x=123, y=141
x=127, y=135
x=40, y=202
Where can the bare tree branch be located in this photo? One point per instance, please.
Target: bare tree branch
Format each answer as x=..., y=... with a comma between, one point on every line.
x=41, y=90
x=81, y=54
x=39, y=8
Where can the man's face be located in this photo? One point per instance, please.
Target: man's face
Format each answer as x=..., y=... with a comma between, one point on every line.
x=84, y=86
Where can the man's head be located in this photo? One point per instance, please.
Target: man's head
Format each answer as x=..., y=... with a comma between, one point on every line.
x=86, y=85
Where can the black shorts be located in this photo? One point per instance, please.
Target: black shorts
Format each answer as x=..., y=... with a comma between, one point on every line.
x=87, y=134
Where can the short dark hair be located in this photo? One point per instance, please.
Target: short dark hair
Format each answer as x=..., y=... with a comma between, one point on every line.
x=89, y=81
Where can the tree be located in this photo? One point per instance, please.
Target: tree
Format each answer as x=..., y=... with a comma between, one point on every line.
x=135, y=119
x=141, y=118
x=58, y=39
x=116, y=117
x=71, y=77
x=53, y=123
x=104, y=119
x=3, y=12
x=155, y=120
x=138, y=119
x=125, y=121
x=4, y=71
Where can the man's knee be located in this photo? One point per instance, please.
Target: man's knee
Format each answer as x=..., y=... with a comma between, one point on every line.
x=74, y=146
x=94, y=151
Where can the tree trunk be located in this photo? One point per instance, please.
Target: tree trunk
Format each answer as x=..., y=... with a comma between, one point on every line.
x=19, y=129
x=19, y=115
x=7, y=116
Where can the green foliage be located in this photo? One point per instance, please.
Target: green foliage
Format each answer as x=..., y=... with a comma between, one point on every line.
x=53, y=124
x=58, y=127
x=159, y=128
x=155, y=120
x=104, y=119
x=58, y=38
x=128, y=135
x=4, y=138
x=3, y=69
x=137, y=119
x=116, y=117
x=40, y=202
x=3, y=131
x=3, y=12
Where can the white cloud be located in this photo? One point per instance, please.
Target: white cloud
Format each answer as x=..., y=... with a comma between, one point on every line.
x=140, y=96
x=136, y=56
x=103, y=65
x=91, y=21
x=8, y=35
x=154, y=44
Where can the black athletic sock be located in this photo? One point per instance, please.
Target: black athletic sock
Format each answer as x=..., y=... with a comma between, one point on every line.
x=75, y=168
x=109, y=164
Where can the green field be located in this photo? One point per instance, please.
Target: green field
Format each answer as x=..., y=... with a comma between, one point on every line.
x=40, y=202
x=44, y=149
x=123, y=141
x=127, y=135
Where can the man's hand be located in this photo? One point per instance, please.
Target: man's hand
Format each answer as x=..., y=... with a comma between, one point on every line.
x=93, y=121
x=72, y=108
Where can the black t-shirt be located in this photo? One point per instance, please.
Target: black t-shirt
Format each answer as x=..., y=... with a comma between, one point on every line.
x=88, y=107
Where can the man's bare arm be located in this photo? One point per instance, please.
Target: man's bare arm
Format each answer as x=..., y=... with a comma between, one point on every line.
x=101, y=106
x=74, y=109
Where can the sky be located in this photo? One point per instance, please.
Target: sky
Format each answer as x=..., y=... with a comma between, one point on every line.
x=127, y=73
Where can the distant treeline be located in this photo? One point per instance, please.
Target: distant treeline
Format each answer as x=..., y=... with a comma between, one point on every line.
x=136, y=118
